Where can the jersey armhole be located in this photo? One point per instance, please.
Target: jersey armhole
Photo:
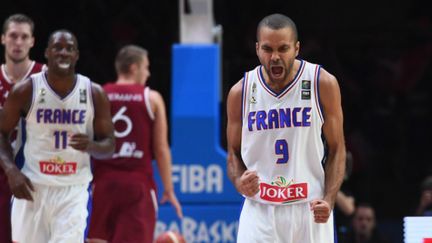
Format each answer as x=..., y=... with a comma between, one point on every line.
x=147, y=102
x=317, y=93
x=244, y=92
x=33, y=98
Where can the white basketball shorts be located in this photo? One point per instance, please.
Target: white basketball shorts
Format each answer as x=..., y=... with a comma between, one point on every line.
x=282, y=223
x=57, y=215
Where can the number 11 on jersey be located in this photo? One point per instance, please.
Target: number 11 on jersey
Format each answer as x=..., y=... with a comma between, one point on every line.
x=60, y=139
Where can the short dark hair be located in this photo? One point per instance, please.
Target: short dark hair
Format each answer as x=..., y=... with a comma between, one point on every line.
x=18, y=18
x=127, y=56
x=277, y=21
x=364, y=205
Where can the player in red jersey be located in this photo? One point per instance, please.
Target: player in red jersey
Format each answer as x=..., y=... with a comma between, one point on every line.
x=124, y=193
x=17, y=38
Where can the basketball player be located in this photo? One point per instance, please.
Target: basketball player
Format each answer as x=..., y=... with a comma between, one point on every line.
x=277, y=116
x=17, y=38
x=141, y=133
x=67, y=119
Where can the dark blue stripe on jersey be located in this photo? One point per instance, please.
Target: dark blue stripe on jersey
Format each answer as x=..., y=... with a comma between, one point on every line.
x=324, y=141
x=335, y=238
x=19, y=157
x=243, y=96
x=318, y=91
x=89, y=210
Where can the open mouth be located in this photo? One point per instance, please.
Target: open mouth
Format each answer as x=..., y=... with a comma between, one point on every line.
x=276, y=71
x=64, y=65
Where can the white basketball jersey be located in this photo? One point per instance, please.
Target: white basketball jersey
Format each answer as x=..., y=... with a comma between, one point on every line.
x=50, y=122
x=281, y=136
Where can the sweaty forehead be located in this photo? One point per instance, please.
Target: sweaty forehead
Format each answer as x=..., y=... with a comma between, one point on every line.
x=23, y=28
x=63, y=37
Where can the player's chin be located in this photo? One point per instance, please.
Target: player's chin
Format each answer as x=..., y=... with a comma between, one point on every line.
x=277, y=77
x=321, y=220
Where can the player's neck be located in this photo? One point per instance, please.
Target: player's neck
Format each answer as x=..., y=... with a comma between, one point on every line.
x=126, y=80
x=279, y=86
x=61, y=84
x=16, y=71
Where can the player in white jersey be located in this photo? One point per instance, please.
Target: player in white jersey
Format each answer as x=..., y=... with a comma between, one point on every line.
x=67, y=120
x=286, y=148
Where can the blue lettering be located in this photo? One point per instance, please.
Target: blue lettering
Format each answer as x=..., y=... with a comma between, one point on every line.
x=39, y=115
x=60, y=116
x=47, y=116
x=66, y=116
x=285, y=117
x=273, y=119
x=306, y=117
x=75, y=118
x=57, y=116
x=251, y=120
x=82, y=116
x=294, y=116
x=261, y=116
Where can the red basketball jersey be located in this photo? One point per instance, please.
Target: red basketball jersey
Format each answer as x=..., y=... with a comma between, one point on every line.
x=133, y=122
x=6, y=84
x=5, y=194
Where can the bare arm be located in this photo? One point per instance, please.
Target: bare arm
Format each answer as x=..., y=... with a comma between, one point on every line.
x=333, y=132
x=103, y=145
x=245, y=181
x=162, y=150
x=16, y=105
x=345, y=203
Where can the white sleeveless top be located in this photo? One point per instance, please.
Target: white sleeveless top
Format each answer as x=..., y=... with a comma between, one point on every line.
x=50, y=122
x=281, y=136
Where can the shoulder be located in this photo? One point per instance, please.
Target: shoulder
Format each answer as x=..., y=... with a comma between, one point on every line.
x=109, y=85
x=155, y=97
x=236, y=89
x=24, y=87
x=21, y=94
x=98, y=95
x=96, y=88
x=235, y=99
x=326, y=79
x=39, y=67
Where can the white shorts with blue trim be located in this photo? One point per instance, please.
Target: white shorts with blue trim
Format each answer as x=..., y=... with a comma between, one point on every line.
x=281, y=224
x=56, y=214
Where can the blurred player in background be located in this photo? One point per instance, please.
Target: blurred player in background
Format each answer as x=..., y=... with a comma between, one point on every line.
x=67, y=119
x=124, y=194
x=278, y=116
x=17, y=38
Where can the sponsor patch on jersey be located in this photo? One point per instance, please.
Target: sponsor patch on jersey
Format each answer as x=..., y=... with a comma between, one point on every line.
x=306, y=84
x=305, y=94
x=83, y=96
x=281, y=191
x=42, y=93
x=57, y=166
